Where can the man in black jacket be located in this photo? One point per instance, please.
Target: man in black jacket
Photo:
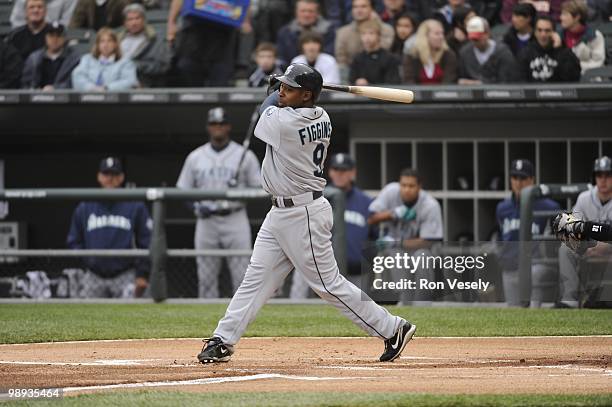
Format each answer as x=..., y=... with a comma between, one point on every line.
x=50, y=68
x=10, y=66
x=541, y=61
x=31, y=36
x=520, y=33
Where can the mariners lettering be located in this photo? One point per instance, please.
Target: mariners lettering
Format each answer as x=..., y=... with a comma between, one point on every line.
x=103, y=221
x=315, y=132
x=511, y=225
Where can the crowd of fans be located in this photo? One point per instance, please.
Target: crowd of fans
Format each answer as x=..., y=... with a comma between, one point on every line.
x=350, y=41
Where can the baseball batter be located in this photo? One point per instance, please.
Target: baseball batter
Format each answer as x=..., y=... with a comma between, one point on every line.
x=296, y=233
x=220, y=224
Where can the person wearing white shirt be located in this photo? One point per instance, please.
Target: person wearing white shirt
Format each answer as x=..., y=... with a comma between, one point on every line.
x=311, y=44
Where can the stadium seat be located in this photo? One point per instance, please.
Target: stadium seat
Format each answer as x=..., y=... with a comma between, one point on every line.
x=603, y=74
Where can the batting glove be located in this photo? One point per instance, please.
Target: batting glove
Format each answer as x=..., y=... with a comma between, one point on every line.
x=570, y=230
x=202, y=211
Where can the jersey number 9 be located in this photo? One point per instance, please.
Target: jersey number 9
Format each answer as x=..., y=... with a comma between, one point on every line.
x=317, y=159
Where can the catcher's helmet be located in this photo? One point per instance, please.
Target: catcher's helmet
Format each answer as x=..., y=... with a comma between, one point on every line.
x=602, y=164
x=303, y=76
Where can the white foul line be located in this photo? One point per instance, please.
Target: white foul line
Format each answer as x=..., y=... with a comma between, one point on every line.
x=213, y=380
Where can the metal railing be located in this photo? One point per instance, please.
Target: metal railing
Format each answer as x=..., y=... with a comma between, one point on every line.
x=158, y=251
x=528, y=197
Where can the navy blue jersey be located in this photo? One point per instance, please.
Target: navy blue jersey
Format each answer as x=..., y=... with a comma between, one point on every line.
x=357, y=231
x=509, y=219
x=111, y=225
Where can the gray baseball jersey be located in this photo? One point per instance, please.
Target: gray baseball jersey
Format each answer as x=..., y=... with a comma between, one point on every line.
x=298, y=237
x=206, y=168
x=589, y=207
x=428, y=221
x=297, y=142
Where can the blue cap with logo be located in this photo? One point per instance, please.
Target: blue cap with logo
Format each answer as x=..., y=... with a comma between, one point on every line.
x=522, y=168
x=111, y=165
x=342, y=161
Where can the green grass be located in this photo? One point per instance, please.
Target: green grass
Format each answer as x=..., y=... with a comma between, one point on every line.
x=22, y=323
x=157, y=398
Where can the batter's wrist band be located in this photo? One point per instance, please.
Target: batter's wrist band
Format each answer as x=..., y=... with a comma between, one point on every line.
x=598, y=231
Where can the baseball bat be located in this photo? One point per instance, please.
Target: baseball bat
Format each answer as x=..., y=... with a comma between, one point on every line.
x=245, y=146
x=375, y=92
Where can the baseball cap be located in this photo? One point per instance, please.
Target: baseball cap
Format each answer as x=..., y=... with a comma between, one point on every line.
x=111, y=165
x=56, y=28
x=342, y=161
x=476, y=27
x=217, y=115
x=521, y=168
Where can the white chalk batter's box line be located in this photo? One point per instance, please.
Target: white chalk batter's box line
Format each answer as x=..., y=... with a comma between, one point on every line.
x=304, y=337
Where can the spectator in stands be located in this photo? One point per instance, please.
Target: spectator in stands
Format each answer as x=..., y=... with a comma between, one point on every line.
x=348, y=39
x=11, y=66
x=95, y=14
x=410, y=216
x=431, y=62
x=140, y=43
x=339, y=12
x=104, y=68
x=268, y=17
x=111, y=225
x=392, y=10
x=508, y=218
x=31, y=36
x=307, y=18
x=342, y=174
x=541, y=61
x=599, y=10
x=405, y=34
x=520, y=33
x=457, y=37
x=551, y=8
x=586, y=42
x=205, y=49
x=445, y=14
x=311, y=44
x=485, y=60
x=51, y=67
x=374, y=65
x=57, y=10
x=267, y=64
x=595, y=205
x=488, y=9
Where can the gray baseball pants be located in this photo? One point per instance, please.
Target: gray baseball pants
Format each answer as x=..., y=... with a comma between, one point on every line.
x=300, y=237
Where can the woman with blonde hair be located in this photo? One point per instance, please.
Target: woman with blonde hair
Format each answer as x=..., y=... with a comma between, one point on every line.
x=104, y=69
x=431, y=60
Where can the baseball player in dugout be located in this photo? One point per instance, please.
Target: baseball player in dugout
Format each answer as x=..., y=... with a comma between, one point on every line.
x=218, y=165
x=585, y=261
x=111, y=225
x=296, y=233
x=411, y=220
x=342, y=174
x=507, y=213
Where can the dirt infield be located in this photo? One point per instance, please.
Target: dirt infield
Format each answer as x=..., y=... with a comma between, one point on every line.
x=552, y=365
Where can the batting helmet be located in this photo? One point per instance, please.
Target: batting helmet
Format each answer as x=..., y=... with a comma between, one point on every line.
x=602, y=164
x=303, y=76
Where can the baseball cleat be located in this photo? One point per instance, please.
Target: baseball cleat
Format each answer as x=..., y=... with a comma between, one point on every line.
x=215, y=351
x=396, y=344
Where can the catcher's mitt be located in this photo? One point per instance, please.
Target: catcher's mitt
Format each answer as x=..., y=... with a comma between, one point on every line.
x=570, y=230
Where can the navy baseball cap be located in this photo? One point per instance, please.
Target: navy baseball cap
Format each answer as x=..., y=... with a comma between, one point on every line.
x=111, y=165
x=56, y=28
x=342, y=161
x=521, y=168
x=217, y=115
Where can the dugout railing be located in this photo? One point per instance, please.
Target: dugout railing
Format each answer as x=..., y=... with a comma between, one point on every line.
x=158, y=251
x=526, y=237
